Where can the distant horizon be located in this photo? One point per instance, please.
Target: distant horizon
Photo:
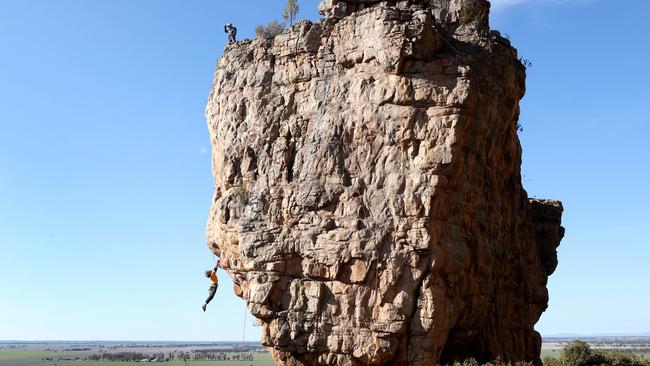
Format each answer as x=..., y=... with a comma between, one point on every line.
x=65, y=341
x=37, y=341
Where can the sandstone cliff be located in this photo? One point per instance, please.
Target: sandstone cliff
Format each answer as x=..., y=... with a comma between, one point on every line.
x=368, y=199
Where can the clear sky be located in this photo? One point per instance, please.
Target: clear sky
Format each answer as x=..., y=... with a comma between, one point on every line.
x=105, y=175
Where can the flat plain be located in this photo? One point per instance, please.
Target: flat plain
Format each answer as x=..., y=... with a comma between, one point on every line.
x=81, y=354
x=221, y=353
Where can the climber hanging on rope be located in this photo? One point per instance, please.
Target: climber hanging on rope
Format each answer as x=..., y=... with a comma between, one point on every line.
x=232, y=33
x=212, y=275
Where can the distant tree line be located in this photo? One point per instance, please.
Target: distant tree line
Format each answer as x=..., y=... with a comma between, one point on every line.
x=221, y=356
x=130, y=357
x=196, y=355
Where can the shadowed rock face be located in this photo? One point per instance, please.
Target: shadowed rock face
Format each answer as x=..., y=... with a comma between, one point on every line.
x=368, y=200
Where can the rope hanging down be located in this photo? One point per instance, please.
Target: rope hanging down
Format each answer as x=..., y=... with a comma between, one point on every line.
x=243, y=333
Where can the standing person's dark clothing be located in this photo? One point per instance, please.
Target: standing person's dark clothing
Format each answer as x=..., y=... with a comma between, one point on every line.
x=232, y=33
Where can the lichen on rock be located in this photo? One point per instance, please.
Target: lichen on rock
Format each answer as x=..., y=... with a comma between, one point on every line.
x=368, y=200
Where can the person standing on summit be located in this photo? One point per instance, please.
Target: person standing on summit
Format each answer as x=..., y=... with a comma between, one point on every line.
x=232, y=33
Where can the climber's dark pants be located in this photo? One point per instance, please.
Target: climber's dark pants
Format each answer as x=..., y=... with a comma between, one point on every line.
x=211, y=292
x=231, y=37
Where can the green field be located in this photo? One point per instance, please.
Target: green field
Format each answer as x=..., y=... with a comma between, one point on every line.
x=35, y=355
x=27, y=357
x=260, y=360
x=36, y=358
x=551, y=353
x=15, y=355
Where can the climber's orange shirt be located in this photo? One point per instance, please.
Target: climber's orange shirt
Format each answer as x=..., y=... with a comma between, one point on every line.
x=214, y=278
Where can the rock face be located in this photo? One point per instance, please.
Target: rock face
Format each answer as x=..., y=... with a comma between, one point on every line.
x=368, y=200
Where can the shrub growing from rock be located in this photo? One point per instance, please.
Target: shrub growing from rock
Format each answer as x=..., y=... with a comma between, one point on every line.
x=269, y=31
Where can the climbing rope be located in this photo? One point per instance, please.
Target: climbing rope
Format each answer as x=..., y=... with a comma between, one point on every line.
x=443, y=35
x=243, y=335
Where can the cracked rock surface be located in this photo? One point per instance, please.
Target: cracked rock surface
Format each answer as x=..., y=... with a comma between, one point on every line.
x=368, y=200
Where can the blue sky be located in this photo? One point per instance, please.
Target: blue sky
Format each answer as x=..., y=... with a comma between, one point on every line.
x=105, y=174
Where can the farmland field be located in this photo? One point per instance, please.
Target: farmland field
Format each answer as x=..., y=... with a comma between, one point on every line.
x=81, y=354
x=220, y=353
x=260, y=360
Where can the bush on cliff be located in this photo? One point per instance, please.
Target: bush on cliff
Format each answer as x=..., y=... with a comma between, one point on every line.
x=269, y=31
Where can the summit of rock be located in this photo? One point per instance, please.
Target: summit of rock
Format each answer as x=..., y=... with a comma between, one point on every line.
x=448, y=13
x=368, y=199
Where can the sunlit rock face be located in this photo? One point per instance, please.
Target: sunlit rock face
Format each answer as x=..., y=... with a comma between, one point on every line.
x=368, y=200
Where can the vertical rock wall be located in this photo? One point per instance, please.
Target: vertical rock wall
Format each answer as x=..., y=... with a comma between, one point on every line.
x=368, y=200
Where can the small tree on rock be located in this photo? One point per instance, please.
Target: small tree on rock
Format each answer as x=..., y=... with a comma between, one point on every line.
x=270, y=30
x=291, y=11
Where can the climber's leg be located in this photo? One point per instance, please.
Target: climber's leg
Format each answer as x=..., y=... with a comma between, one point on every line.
x=211, y=292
